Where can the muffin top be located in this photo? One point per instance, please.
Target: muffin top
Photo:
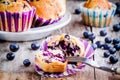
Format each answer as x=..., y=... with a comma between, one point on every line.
x=98, y=4
x=14, y=6
x=49, y=9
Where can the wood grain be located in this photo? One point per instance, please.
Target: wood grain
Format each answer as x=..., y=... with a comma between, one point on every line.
x=15, y=70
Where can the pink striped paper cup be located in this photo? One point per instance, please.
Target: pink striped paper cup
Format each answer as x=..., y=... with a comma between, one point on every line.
x=16, y=21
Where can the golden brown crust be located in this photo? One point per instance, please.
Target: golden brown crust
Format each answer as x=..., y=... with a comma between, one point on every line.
x=98, y=4
x=50, y=67
x=12, y=6
x=49, y=9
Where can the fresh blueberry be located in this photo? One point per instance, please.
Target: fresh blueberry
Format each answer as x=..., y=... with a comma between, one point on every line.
x=116, y=41
x=112, y=50
x=67, y=36
x=103, y=33
x=116, y=27
x=35, y=45
x=118, y=10
x=26, y=62
x=106, y=54
x=107, y=46
x=10, y=56
x=94, y=46
x=117, y=4
x=77, y=11
x=117, y=47
x=99, y=44
x=87, y=33
x=14, y=47
x=92, y=37
x=113, y=59
x=108, y=40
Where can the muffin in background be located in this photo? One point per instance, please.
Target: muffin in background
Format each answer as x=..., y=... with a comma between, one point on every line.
x=97, y=13
x=15, y=15
x=48, y=11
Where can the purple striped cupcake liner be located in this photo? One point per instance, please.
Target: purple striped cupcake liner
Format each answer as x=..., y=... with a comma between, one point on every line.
x=71, y=68
x=42, y=22
x=97, y=18
x=16, y=21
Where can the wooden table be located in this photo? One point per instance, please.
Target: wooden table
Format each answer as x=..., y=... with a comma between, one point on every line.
x=14, y=70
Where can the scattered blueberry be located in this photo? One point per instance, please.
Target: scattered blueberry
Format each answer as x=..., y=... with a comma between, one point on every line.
x=116, y=27
x=92, y=37
x=99, y=44
x=117, y=4
x=118, y=10
x=108, y=40
x=116, y=41
x=117, y=46
x=103, y=33
x=14, y=47
x=10, y=56
x=106, y=54
x=77, y=11
x=26, y=62
x=107, y=46
x=94, y=46
x=113, y=59
x=35, y=45
x=112, y=50
x=87, y=33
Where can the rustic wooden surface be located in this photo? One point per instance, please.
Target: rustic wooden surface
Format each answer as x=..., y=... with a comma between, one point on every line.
x=14, y=70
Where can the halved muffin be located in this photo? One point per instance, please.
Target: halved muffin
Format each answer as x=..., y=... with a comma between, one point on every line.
x=55, y=49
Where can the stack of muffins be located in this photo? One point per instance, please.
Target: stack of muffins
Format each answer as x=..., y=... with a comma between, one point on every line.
x=20, y=15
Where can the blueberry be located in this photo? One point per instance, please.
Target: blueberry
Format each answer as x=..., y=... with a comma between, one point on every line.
x=107, y=46
x=117, y=4
x=113, y=59
x=112, y=50
x=92, y=37
x=106, y=54
x=99, y=44
x=118, y=10
x=87, y=33
x=14, y=47
x=108, y=40
x=103, y=33
x=35, y=45
x=67, y=36
x=116, y=41
x=117, y=46
x=10, y=56
x=77, y=11
x=116, y=27
x=26, y=62
x=94, y=46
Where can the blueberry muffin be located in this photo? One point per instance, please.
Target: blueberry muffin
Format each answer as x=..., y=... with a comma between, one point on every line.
x=48, y=11
x=51, y=57
x=97, y=13
x=15, y=15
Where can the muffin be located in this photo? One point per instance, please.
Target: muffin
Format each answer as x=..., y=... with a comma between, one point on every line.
x=55, y=49
x=51, y=61
x=97, y=13
x=15, y=15
x=48, y=11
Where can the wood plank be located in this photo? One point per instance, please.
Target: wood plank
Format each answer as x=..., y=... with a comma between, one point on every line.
x=102, y=75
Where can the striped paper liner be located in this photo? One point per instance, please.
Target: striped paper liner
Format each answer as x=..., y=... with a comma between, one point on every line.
x=97, y=18
x=42, y=22
x=16, y=21
x=71, y=68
